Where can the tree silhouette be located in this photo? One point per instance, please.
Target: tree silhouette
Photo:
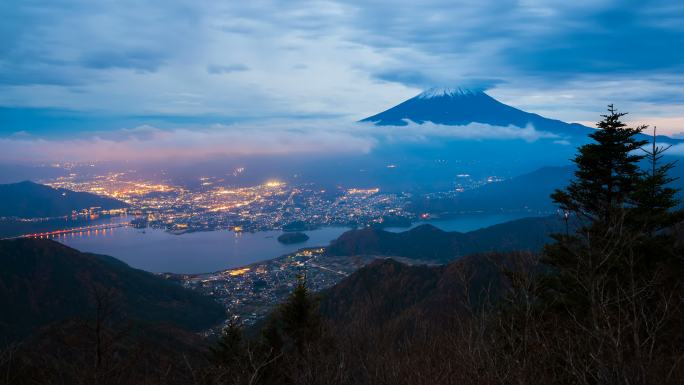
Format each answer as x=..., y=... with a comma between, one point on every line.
x=300, y=318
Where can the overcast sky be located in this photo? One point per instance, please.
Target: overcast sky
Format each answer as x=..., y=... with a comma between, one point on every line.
x=72, y=67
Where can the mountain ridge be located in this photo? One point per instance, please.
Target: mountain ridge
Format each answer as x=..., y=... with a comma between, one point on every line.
x=44, y=282
x=526, y=192
x=461, y=106
x=33, y=200
x=430, y=244
x=387, y=293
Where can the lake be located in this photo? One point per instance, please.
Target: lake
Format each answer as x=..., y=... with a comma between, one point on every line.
x=200, y=252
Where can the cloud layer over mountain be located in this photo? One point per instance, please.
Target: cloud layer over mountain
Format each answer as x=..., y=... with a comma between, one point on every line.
x=320, y=137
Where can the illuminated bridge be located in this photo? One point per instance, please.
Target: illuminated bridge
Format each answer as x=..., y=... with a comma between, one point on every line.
x=83, y=229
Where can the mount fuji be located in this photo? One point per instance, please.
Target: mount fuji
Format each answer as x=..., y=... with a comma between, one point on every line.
x=439, y=140
x=462, y=106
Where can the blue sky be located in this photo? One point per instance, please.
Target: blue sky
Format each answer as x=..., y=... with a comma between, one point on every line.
x=72, y=69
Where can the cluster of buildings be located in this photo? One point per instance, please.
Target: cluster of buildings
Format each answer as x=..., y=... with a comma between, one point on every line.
x=250, y=293
x=210, y=205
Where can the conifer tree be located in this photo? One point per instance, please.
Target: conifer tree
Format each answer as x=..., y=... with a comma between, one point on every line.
x=656, y=200
x=599, y=201
x=623, y=215
x=655, y=217
x=614, y=281
x=607, y=173
x=230, y=357
x=271, y=339
x=301, y=321
x=230, y=348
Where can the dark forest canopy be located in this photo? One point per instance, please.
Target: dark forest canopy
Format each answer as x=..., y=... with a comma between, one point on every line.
x=43, y=282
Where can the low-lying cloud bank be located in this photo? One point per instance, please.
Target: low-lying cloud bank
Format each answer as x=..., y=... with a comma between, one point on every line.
x=243, y=139
x=677, y=149
x=473, y=131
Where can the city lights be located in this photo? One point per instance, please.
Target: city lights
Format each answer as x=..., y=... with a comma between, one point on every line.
x=215, y=204
x=274, y=183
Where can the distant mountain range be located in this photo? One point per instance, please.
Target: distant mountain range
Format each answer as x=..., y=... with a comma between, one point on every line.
x=43, y=282
x=462, y=106
x=430, y=244
x=528, y=192
x=32, y=200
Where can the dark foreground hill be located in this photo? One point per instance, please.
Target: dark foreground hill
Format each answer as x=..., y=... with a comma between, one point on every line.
x=31, y=200
x=388, y=292
x=429, y=243
x=68, y=317
x=43, y=282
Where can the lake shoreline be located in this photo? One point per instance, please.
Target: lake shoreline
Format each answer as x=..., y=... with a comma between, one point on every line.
x=198, y=252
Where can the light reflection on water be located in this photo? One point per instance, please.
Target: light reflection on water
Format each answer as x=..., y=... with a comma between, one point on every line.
x=159, y=251
x=199, y=252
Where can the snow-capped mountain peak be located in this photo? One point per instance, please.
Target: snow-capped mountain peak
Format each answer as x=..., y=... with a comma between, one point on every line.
x=461, y=106
x=437, y=92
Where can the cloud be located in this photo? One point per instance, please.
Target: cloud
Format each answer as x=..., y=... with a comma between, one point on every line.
x=147, y=143
x=585, y=98
x=413, y=132
x=285, y=137
x=423, y=80
x=141, y=60
x=225, y=69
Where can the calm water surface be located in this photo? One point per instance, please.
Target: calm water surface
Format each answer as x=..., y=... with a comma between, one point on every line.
x=467, y=222
x=200, y=252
